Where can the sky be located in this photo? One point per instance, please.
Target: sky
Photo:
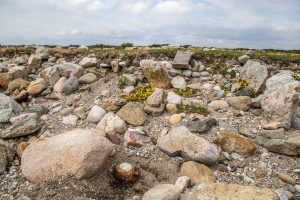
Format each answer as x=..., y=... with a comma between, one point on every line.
x=258, y=24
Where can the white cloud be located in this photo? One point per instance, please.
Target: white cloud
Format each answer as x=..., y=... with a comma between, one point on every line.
x=94, y=6
x=137, y=8
x=173, y=6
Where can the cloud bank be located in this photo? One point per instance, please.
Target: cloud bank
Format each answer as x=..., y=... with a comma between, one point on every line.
x=218, y=23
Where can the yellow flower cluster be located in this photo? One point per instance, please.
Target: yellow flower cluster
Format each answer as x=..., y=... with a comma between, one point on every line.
x=140, y=93
x=242, y=84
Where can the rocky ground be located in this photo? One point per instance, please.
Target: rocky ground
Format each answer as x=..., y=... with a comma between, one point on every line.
x=117, y=126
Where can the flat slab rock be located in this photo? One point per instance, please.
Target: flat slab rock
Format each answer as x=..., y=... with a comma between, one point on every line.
x=222, y=191
x=277, y=141
x=181, y=142
x=162, y=192
x=182, y=59
x=79, y=152
x=22, y=125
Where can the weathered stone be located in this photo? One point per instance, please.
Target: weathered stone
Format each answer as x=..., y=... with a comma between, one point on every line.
x=175, y=119
x=21, y=97
x=273, y=134
x=59, y=85
x=233, y=142
x=4, y=81
x=81, y=153
x=17, y=72
x=178, y=82
x=182, y=59
x=154, y=111
x=290, y=145
x=112, y=123
x=96, y=114
x=51, y=75
x=200, y=126
x=171, y=108
x=38, y=109
x=272, y=125
x=70, y=120
x=162, y=192
x=133, y=113
x=88, y=62
x=70, y=85
x=173, y=98
x=180, y=141
x=295, y=122
x=281, y=97
x=197, y=173
x=255, y=74
x=36, y=87
x=22, y=125
x=129, y=79
x=156, y=73
x=182, y=182
x=223, y=191
x=243, y=59
x=135, y=138
x=115, y=67
x=18, y=83
x=87, y=78
x=70, y=69
x=34, y=61
x=218, y=105
x=156, y=98
x=240, y=102
x=42, y=52
x=8, y=108
x=7, y=154
x=286, y=178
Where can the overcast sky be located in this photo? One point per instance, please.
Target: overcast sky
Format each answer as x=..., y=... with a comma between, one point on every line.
x=218, y=23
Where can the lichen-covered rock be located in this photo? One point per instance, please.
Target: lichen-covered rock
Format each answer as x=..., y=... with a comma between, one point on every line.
x=233, y=142
x=156, y=73
x=281, y=97
x=79, y=152
x=133, y=113
x=255, y=74
x=8, y=108
x=22, y=125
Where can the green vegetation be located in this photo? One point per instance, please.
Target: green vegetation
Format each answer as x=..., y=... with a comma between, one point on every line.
x=281, y=57
x=121, y=84
x=127, y=44
x=187, y=92
x=192, y=109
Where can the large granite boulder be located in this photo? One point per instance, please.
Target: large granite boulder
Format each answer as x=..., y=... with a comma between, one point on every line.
x=79, y=152
x=281, y=97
